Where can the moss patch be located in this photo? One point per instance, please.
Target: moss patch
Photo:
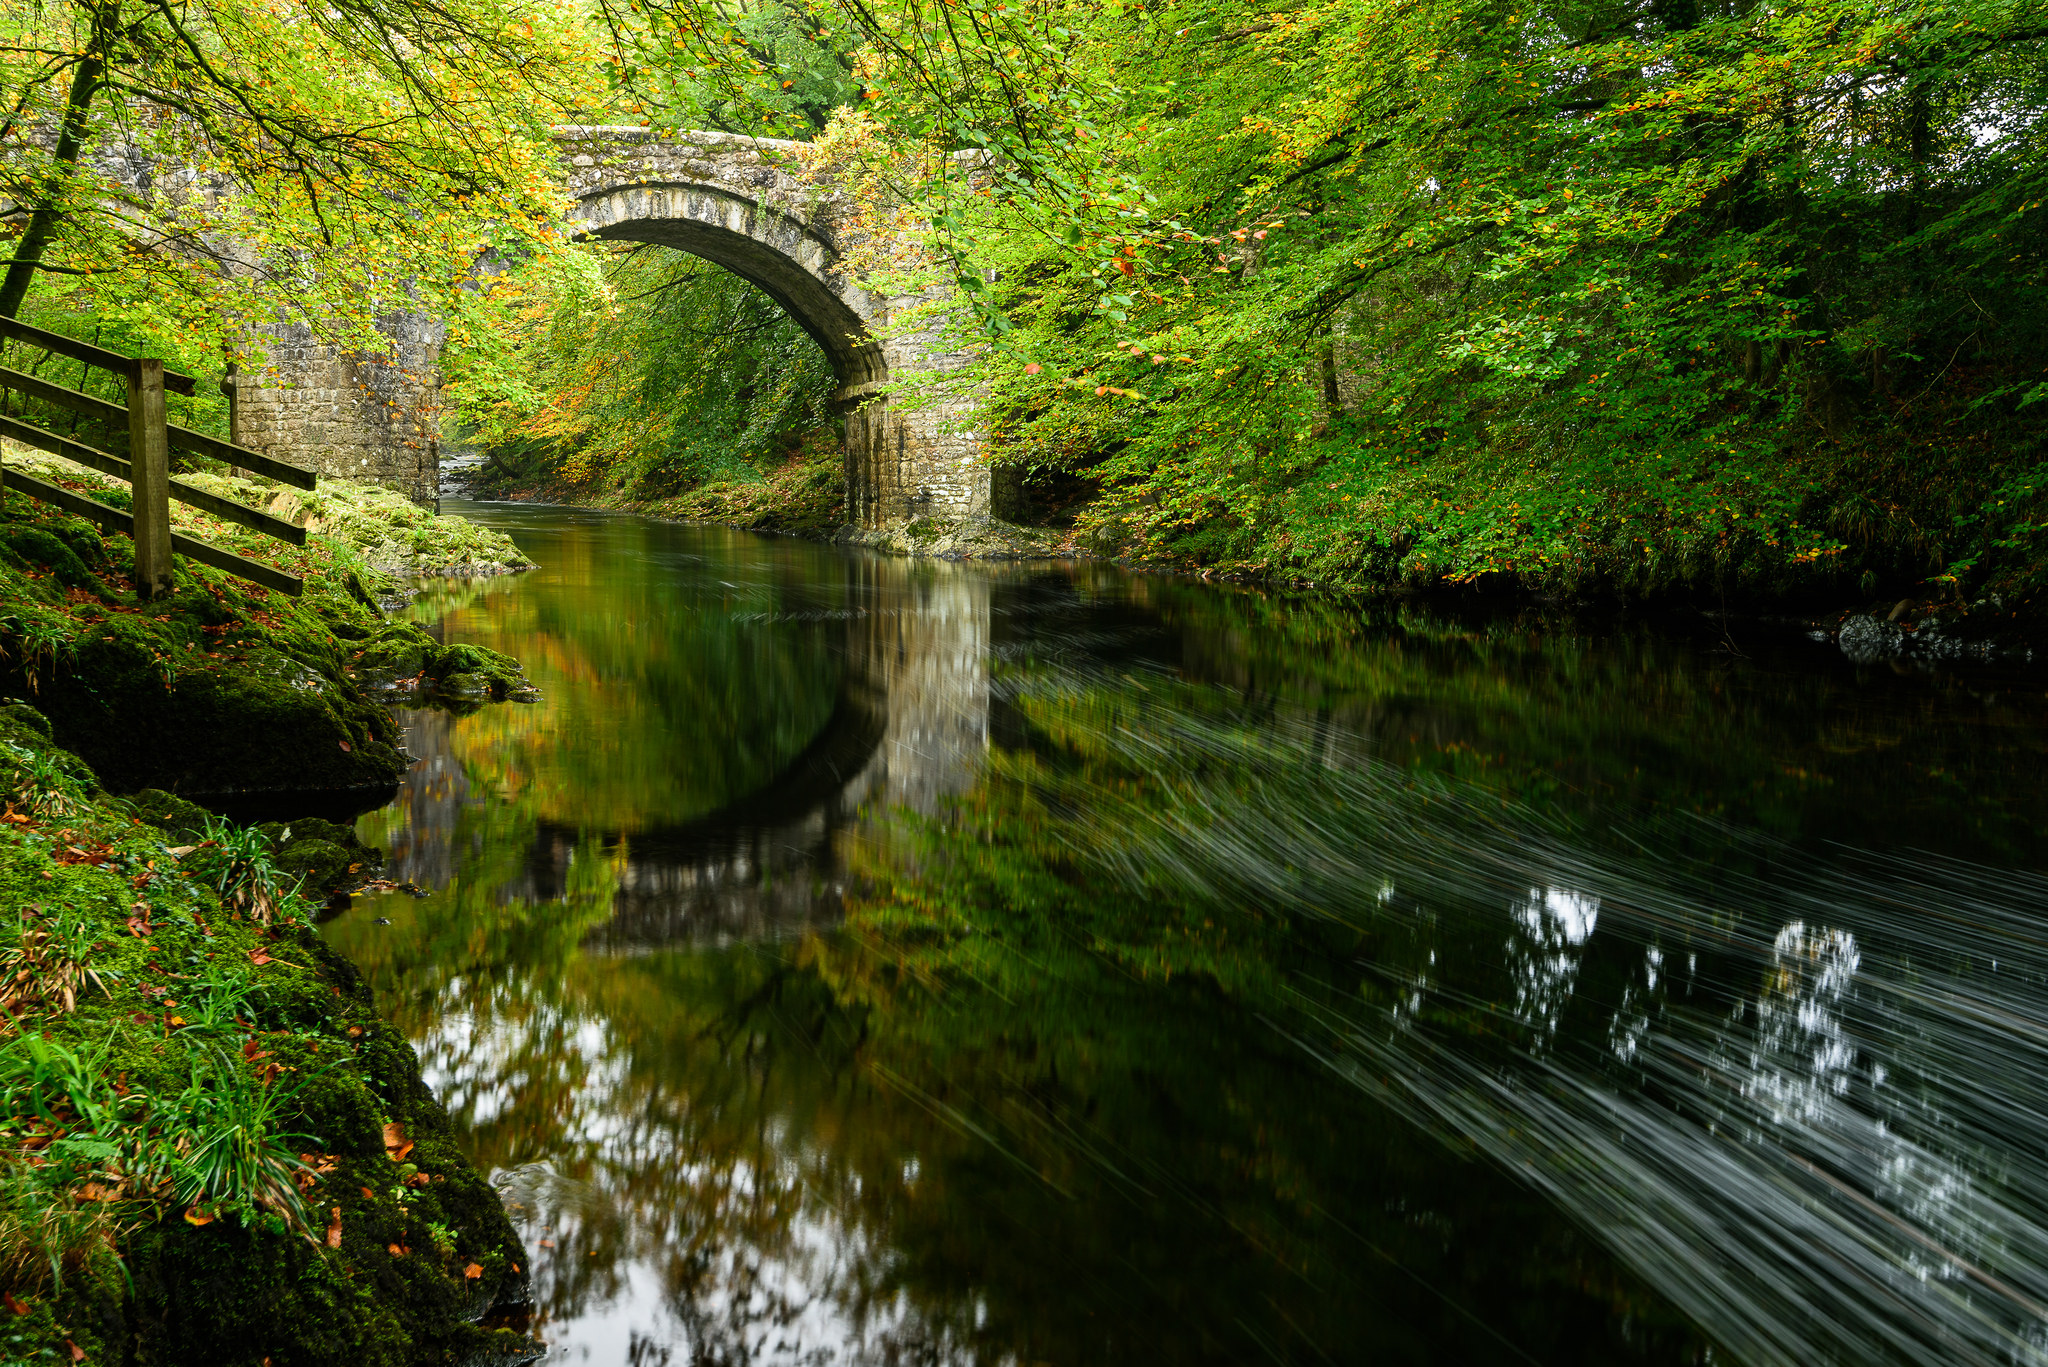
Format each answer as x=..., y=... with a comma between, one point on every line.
x=223, y=686
x=203, y=1012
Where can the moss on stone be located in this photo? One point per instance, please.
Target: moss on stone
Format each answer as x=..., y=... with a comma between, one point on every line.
x=222, y=686
x=42, y=546
x=324, y=857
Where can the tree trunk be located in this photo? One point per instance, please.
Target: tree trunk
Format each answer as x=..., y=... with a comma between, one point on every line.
x=42, y=224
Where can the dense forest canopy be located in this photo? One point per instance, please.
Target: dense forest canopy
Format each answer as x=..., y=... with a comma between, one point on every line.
x=1630, y=297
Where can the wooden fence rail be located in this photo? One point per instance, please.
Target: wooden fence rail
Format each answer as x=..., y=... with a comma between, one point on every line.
x=147, y=466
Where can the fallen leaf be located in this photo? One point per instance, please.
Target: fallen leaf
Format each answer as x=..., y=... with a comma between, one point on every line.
x=180, y=851
x=259, y=956
x=176, y=1021
x=334, y=1229
x=12, y=1304
x=397, y=1250
x=346, y=746
x=355, y=1032
x=195, y=1216
x=396, y=1145
x=77, y=1353
x=368, y=1195
x=473, y=1271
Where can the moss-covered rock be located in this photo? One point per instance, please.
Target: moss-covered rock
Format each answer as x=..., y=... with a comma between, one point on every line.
x=406, y=659
x=170, y=813
x=387, y=1248
x=389, y=538
x=324, y=857
x=34, y=548
x=222, y=686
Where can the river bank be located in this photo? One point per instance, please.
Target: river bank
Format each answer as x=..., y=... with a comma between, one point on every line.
x=213, y=1149
x=806, y=498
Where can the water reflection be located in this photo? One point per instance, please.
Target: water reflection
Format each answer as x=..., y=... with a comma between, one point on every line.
x=860, y=961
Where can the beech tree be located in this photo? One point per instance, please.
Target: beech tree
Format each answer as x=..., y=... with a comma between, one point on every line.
x=189, y=165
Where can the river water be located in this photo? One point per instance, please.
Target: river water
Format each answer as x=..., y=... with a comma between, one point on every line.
x=853, y=960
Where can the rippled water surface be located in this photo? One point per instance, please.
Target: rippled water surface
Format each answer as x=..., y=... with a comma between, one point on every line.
x=853, y=960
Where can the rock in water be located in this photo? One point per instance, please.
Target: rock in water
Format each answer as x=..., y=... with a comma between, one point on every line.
x=1866, y=640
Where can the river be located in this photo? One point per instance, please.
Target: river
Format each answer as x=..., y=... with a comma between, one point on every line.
x=857, y=960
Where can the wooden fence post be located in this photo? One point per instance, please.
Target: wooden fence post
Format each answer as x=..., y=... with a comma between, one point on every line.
x=149, y=453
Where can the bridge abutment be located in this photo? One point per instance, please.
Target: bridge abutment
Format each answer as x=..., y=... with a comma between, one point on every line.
x=351, y=414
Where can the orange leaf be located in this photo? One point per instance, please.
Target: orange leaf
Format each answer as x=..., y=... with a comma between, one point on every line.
x=473, y=1271
x=12, y=1304
x=397, y=1250
x=334, y=1229
x=259, y=956
x=195, y=1216
x=396, y=1145
x=77, y=1353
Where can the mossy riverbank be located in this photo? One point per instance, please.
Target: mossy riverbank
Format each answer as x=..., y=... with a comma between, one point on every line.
x=804, y=495
x=211, y=1150
x=225, y=687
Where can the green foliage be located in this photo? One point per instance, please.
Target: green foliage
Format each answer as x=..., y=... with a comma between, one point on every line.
x=347, y=160
x=1645, y=298
x=778, y=70
x=192, y=1133
x=646, y=371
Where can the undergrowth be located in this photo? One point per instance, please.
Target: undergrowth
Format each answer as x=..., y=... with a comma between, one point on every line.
x=210, y=1149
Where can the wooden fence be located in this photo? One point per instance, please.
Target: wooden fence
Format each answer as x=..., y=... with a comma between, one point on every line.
x=151, y=437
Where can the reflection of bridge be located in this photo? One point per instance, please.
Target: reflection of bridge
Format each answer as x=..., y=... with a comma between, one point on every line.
x=909, y=728
x=755, y=206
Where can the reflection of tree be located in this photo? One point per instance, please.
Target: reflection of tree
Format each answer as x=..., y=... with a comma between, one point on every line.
x=1777, y=1086
x=655, y=681
x=1793, y=741
x=1059, y=1087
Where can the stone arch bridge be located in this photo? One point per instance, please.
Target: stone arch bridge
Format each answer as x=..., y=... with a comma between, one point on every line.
x=741, y=203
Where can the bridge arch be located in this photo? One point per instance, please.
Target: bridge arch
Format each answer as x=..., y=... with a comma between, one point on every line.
x=744, y=204
x=776, y=251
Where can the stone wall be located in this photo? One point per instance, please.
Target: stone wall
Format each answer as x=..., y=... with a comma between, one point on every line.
x=373, y=417
x=751, y=205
